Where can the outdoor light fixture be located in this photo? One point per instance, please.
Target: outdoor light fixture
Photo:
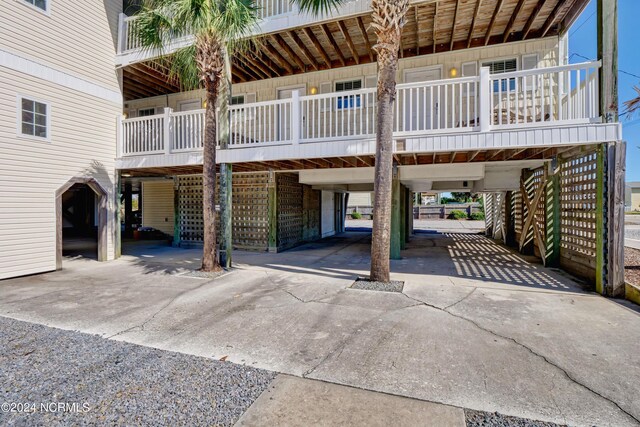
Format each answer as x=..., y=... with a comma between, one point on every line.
x=453, y=72
x=314, y=90
x=204, y=104
x=124, y=116
x=126, y=175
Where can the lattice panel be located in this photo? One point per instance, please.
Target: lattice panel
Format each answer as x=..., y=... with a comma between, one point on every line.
x=250, y=214
x=190, y=208
x=311, y=213
x=578, y=206
x=517, y=212
x=290, y=202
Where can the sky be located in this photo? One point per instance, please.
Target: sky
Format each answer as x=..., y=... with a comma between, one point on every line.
x=583, y=43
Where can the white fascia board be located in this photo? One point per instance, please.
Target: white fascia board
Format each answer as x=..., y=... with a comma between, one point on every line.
x=458, y=171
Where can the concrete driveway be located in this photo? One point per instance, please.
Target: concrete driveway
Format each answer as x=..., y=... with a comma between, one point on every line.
x=477, y=326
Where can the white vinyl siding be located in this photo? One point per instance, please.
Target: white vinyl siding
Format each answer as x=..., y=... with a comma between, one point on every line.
x=77, y=37
x=157, y=205
x=82, y=143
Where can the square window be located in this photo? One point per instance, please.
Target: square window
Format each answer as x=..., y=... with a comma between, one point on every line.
x=348, y=101
x=40, y=4
x=237, y=100
x=33, y=118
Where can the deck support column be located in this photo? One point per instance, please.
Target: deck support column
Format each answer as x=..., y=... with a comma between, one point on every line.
x=176, y=212
x=226, y=207
x=553, y=215
x=128, y=209
x=396, y=216
x=403, y=217
x=273, y=213
x=118, y=217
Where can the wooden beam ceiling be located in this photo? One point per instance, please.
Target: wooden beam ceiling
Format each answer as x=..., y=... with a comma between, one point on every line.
x=432, y=27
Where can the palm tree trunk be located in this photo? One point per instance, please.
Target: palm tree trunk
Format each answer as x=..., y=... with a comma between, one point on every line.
x=209, y=259
x=388, y=19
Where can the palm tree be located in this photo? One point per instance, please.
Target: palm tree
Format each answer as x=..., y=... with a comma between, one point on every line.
x=633, y=105
x=220, y=28
x=388, y=20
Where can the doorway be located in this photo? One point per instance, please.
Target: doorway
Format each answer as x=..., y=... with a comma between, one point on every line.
x=421, y=104
x=81, y=220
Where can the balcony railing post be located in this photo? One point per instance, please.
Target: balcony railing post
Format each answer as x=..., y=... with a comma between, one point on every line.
x=119, y=137
x=296, y=117
x=485, y=99
x=167, y=126
x=122, y=28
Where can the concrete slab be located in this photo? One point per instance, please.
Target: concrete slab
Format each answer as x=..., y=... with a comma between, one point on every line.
x=293, y=401
x=477, y=325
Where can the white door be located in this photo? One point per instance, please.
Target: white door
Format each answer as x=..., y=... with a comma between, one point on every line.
x=421, y=104
x=284, y=113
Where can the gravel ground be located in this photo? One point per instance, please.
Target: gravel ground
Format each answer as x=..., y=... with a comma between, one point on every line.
x=488, y=419
x=632, y=265
x=122, y=383
x=367, y=285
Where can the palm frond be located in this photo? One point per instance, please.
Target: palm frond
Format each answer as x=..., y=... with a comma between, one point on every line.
x=632, y=105
x=317, y=7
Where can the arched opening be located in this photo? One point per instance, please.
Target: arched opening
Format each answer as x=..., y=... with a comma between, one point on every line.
x=81, y=220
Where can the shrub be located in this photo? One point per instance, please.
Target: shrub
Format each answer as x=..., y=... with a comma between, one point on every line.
x=356, y=215
x=457, y=214
x=477, y=216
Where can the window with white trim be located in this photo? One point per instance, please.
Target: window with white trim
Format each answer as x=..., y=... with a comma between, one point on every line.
x=503, y=66
x=146, y=112
x=348, y=101
x=40, y=4
x=34, y=118
x=237, y=100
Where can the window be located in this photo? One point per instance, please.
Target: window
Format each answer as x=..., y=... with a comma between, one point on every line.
x=237, y=100
x=348, y=101
x=499, y=67
x=40, y=4
x=145, y=112
x=34, y=118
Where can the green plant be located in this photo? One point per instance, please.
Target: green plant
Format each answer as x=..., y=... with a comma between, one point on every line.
x=457, y=214
x=477, y=216
x=356, y=215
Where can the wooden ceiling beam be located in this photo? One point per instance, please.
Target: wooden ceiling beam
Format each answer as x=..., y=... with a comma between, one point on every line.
x=259, y=63
x=552, y=18
x=365, y=37
x=345, y=32
x=435, y=21
x=303, y=48
x=492, y=23
x=571, y=15
x=150, y=80
x=316, y=44
x=534, y=15
x=277, y=38
x=246, y=67
x=453, y=25
x=512, y=20
x=156, y=76
x=275, y=56
x=334, y=45
x=237, y=72
x=473, y=23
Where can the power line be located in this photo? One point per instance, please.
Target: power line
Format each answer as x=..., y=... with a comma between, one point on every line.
x=590, y=59
x=580, y=26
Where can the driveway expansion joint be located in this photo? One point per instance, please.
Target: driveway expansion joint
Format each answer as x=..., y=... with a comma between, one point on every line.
x=529, y=349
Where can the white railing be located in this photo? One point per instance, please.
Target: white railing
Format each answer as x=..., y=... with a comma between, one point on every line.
x=565, y=93
x=542, y=97
x=129, y=42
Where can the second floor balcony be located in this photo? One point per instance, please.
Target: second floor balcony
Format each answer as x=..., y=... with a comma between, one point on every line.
x=485, y=106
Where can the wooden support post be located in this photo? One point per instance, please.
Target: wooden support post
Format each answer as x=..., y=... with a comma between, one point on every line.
x=616, y=156
x=176, y=212
x=273, y=213
x=395, y=216
x=409, y=216
x=600, y=219
x=226, y=207
x=403, y=217
x=128, y=209
x=553, y=216
x=608, y=55
x=509, y=231
x=118, y=216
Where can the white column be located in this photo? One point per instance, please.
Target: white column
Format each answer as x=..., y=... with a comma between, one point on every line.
x=485, y=99
x=296, y=117
x=122, y=28
x=119, y=137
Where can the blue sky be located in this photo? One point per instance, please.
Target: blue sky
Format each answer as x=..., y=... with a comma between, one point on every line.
x=583, y=43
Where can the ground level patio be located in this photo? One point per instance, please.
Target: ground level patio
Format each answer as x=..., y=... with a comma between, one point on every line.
x=477, y=325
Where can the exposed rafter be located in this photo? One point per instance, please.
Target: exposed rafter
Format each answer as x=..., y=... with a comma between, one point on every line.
x=473, y=22
x=492, y=23
x=316, y=44
x=453, y=25
x=334, y=45
x=303, y=48
x=365, y=37
x=345, y=33
x=277, y=38
x=512, y=20
x=532, y=18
